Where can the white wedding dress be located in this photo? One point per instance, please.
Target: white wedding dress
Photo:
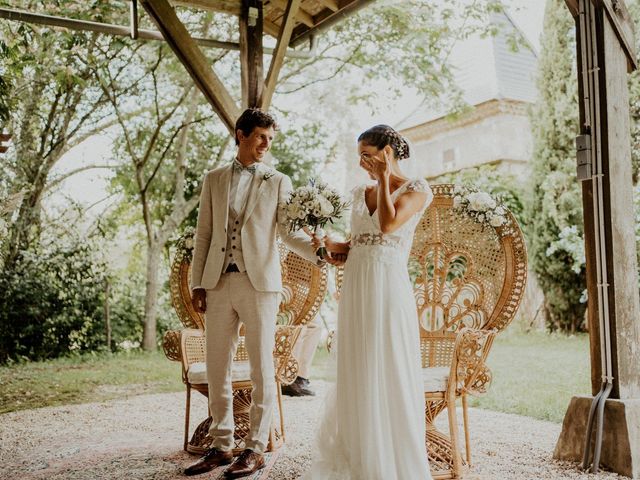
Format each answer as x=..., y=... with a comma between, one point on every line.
x=373, y=427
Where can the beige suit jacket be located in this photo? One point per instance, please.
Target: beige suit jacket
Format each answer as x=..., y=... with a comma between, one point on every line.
x=263, y=221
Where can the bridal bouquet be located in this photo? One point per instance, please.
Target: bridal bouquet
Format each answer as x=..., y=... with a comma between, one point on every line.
x=313, y=206
x=482, y=207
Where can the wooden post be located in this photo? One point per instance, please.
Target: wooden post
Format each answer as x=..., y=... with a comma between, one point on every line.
x=605, y=38
x=251, y=63
x=619, y=209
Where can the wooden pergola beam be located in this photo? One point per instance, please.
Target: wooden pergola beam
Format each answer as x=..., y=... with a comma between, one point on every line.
x=572, y=5
x=302, y=15
x=232, y=7
x=251, y=59
x=330, y=4
x=288, y=22
x=196, y=63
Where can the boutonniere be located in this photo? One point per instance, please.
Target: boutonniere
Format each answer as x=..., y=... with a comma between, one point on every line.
x=268, y=174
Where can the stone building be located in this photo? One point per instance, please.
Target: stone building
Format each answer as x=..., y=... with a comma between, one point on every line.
x=498, y=83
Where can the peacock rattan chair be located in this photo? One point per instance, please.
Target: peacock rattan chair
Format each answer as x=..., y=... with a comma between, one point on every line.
x=469, y=279
x=304, y=288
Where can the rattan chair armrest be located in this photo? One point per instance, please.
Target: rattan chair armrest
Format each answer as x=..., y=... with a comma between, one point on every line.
x=469, y=371
x=171, y=345
x=286, y=365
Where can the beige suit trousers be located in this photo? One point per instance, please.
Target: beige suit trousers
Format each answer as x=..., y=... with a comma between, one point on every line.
x=234, y=301
x=305, y=347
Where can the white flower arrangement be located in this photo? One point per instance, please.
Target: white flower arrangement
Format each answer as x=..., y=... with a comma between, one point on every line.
x=185, y=243
x=313, y=205
x=482, y=207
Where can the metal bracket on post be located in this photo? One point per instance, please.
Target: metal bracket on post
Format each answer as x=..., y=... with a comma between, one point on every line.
x=253, y=15
x=583, y=157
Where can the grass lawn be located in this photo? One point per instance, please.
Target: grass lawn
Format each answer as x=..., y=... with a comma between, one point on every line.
x=534, y=374
x=89, y=378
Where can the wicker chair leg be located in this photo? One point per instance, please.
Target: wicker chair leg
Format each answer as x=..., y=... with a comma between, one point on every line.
x=453, y=431
x=186, y=418
x=279, y=387
x=465, y=418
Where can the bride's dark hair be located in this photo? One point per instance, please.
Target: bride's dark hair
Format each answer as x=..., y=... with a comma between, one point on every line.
x=382, y=135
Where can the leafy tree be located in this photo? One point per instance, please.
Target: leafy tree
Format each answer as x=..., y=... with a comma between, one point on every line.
x=54, y=105
x=555, y=213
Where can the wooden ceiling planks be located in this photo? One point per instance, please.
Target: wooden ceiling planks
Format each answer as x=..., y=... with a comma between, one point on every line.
x=311, y=14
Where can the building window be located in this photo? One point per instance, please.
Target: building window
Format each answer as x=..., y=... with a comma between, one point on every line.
x=449, y=159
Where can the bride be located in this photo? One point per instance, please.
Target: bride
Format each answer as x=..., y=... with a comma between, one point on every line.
x=374, y=427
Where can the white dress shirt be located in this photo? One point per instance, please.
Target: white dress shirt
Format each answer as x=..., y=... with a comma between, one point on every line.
x=239, y=189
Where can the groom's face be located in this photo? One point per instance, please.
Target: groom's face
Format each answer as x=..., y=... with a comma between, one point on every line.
x=254, y=147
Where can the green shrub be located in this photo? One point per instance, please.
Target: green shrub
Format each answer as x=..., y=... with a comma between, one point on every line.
x=52, y=303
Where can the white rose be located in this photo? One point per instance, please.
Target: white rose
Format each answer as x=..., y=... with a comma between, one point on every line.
x=487, y=200
x=500, y=211
x=481, y=217
x=457, y=201
x=497, y=221
x=326, y=208
x=475, y=203
x=188, y=243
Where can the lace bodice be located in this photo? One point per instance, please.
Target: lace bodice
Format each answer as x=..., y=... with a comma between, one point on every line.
x=365, y=228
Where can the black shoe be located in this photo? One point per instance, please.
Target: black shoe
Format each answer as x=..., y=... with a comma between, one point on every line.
x=297, y=389
x=302, y=381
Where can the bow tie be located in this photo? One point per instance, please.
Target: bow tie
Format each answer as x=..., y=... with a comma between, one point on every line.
x=238, y=167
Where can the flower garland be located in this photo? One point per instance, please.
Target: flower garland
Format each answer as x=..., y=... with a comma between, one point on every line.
x=483, y=209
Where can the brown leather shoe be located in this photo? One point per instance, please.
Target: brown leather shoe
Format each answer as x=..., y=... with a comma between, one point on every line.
x=212, y=459
x=247, y=463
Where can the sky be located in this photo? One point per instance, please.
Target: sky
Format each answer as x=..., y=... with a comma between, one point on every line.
x=89, y=187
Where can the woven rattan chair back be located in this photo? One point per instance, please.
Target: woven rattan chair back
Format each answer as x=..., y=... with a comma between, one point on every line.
x=465, y=274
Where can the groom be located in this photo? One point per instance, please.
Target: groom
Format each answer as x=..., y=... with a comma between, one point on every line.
x=236, y=279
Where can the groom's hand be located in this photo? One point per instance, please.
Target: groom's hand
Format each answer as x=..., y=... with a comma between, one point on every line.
x=199, y=300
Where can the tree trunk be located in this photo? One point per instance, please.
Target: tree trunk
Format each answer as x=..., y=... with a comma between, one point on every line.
x=107, y=315
x=154, y=255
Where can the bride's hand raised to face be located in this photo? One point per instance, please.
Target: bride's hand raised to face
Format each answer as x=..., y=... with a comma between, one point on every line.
x=378, y=165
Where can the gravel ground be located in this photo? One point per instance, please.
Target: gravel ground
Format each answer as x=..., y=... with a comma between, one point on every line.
x=140, y=437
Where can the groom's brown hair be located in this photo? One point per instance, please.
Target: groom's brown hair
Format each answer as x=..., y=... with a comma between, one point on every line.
x=252, y=118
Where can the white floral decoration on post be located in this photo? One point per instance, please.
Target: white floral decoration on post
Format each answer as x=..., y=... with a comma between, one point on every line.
x=483, y=208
